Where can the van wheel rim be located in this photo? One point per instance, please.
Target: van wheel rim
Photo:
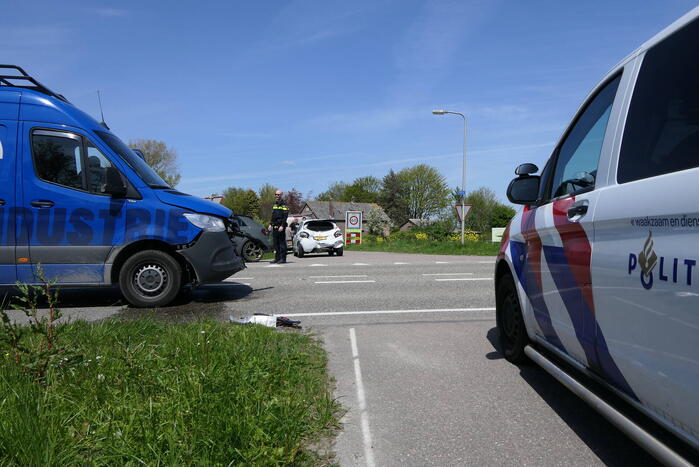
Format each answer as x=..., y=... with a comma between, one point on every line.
x=150, y=279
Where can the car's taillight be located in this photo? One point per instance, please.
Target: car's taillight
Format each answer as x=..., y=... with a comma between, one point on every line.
x=338, y=234
x=264, y=232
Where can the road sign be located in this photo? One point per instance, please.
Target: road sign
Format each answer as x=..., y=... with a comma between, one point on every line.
x=353, y=221
x=461, y=193
x=462, y=210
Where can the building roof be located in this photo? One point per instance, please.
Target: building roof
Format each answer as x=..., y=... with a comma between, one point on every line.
x=336, y=209
x=420, y=222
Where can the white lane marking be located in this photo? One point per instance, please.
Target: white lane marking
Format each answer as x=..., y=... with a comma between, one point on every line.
x=236, y=279
x=441, y=262
x=465, y=279
x=337, y=277
x=342, y=282
x=449, y=274
x=317, y=265
x=274, y=266
x=486, y=262
x=360, y=264
x=389, y=312
x=361, y=399
x=400, y=263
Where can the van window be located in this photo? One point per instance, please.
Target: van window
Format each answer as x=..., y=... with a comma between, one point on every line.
x=97, y=164
x=662, y=127
x=58, y=159
x=576, y=165
x=142, y=169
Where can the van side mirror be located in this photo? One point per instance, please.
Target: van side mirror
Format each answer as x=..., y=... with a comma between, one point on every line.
x=113, y=183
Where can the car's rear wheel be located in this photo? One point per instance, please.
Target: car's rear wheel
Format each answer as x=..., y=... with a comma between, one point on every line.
x=339, y=251
x=511, y=329
x=150, y=278
x=252, y=251
x=299, y=251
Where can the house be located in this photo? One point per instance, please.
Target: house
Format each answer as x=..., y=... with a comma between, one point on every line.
x=335, y=211
x=411, y=223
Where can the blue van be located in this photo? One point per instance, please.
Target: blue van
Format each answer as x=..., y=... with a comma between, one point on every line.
x=77, y=202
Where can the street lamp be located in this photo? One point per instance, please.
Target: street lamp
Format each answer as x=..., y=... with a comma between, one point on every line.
x=463, y=170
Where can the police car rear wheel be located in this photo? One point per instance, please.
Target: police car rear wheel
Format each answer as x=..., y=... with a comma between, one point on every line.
x=511, y=329
x=150, y=278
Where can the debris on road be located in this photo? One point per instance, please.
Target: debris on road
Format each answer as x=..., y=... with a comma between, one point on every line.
x=266, y=320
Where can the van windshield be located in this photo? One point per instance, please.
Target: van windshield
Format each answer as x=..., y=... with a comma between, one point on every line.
x=139, y=166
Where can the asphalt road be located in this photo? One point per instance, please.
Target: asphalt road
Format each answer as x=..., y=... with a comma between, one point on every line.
x=412, y=345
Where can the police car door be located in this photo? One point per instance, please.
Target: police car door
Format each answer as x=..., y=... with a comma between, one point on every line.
x=647, y=235
x=562, y=226
x=9, y=109
x=71, y=226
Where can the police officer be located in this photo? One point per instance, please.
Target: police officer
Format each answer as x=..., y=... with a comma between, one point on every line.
x=278, y=227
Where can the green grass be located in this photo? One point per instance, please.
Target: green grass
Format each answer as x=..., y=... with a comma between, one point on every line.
x=152, y=393
x=433, y=247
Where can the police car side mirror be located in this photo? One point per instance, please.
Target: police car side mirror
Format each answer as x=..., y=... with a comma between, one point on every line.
x=524, y=189
x=113, y=183
x=526, y=169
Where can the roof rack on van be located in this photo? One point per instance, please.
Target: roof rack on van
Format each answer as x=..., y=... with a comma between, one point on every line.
x=21, y=79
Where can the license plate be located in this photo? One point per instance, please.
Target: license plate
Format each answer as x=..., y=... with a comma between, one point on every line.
x=320, y=238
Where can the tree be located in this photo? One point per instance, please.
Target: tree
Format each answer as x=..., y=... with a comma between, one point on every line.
x=487, y=211
x=426, y=191
x=363, y=190
x=335, y=192
x=161, y=158
x=392, y=198
x=294, y=201
x=241, y=201
x=377, y=222
x=267, y=200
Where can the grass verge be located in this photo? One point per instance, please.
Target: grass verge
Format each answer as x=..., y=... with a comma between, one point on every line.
x=433, y=247
x=152, y=393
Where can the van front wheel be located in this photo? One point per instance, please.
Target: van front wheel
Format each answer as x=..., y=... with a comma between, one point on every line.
x=150, y=278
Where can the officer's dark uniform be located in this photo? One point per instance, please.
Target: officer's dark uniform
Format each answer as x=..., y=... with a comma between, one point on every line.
x=279, y=214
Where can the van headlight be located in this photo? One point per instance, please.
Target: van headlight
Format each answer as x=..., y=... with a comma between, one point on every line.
x=204, y=222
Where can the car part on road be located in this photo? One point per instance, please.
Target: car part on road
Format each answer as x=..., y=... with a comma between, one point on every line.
x=266, y=320
x=150, y=278
x=508, y=315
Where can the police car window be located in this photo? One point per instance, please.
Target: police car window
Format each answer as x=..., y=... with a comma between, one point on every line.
x=58, y=159
x=576, y=164
x=662, y=128
x=97, y=164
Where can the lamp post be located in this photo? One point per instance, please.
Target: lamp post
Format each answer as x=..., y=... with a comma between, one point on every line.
x=463, y=169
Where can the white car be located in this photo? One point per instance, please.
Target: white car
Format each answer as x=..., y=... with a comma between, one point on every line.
x=318, y=236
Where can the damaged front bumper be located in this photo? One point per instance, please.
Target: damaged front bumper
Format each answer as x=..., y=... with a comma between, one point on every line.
x=310, y=245
x=213, y=257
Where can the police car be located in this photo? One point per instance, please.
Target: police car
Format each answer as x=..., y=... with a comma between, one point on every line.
x=599, y=270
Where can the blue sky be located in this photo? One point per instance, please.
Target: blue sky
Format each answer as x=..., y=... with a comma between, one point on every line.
x=303, y=93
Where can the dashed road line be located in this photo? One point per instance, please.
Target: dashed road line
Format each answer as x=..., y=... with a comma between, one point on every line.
x=465, y=279
x=236, y=279
x=390, y=312
x=317, y=265
x=448, y=274
x=361, y=399
x=360, y=264
x=441, y=262
x=397, y=263
x=337, y=277
x=343, y=282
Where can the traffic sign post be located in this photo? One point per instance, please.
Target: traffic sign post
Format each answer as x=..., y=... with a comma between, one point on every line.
x=462, y=210
x=353, y=227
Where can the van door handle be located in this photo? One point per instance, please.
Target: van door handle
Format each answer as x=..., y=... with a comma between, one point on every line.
x=42, y=203
x=577, y=210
